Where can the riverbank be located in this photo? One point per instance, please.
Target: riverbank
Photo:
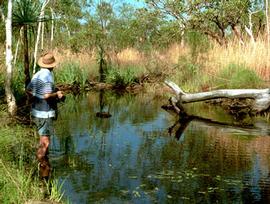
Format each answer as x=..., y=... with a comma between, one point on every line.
x=19, y=181
x=19, y=171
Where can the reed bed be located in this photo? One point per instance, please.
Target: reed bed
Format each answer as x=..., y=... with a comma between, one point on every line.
x=254, y=56
x=192, y=70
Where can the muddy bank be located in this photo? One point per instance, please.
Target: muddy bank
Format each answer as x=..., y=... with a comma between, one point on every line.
x=76, y=88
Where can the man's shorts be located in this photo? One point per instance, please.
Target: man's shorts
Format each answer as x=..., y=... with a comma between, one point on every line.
x=44, y=126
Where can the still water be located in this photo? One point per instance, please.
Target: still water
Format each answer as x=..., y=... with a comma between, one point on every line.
x=141, y=154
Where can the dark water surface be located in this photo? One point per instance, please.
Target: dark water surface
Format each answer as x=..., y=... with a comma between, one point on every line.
x=132, y=157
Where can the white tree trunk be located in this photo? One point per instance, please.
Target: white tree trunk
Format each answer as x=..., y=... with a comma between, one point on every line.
x=12, y=108
x=68, y=31
x=267, y=22
x=16, y=52
x=249, y=29
x=17, y=47
x=42, y=36
x=41, y=16
x=261, y=96
x=52, y=28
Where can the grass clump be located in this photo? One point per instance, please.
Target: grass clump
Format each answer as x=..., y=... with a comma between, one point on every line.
x=19, y=180
x=238, y=76
x=16, y=182
x=185, y=71
x=122, y=77
x=71, y=72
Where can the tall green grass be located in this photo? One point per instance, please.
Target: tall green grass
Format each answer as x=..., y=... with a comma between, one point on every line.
x=17, y=83
x=16, y=182
x=19, y=180
x=69, y=73
x=238, y=76
x=123, y=76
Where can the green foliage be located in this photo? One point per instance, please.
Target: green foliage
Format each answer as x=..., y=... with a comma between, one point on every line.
x=2, y=84
x=17, y=185
x=16, y=182
x=122, y=77
x=70, y=73
x=215, y=17
x=19, y=182
x=2, y=34
x=238, y=76
x=186, y=70
x=26, y=12
x=17, y=84
x=168, y=34
x=198, y=43
x=55, y=189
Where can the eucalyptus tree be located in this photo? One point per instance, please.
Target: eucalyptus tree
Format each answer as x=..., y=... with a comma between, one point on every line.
x=26, y=16
x=40, y=26
x=69, y=17
x=122, y=35
x=146, y=25
x=104, y=16
x=176, y=10
x=254, y=23
x=100, y=34
x=11, y=101
x=214, y=18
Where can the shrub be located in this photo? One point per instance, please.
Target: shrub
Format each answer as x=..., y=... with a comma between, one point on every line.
x=69, y=73
x=186, y=69
x=121, y=77
x=198, y=43
x=238, y=76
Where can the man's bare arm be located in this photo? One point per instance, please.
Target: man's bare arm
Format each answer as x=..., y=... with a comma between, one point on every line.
x=58, y=94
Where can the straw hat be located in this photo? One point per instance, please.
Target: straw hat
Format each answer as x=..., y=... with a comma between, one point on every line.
x=47, y=60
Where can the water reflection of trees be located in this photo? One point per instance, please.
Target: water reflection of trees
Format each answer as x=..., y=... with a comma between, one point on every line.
x=219, y=152
x=83, y=109
x=207, y=164
x=78, y=117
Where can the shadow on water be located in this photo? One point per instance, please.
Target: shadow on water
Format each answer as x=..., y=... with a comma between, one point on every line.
x=131, y=157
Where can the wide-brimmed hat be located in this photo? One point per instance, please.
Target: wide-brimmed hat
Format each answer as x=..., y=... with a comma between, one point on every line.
x=47, y=60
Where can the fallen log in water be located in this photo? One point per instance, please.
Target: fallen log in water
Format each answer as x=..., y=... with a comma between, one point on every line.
x=261, y=97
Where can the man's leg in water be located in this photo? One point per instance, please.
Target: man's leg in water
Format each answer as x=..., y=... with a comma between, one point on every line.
x=44, y=142
x=45, y=130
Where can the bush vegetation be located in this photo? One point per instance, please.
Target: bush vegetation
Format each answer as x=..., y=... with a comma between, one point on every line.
x=69, y=73
x=19, y=181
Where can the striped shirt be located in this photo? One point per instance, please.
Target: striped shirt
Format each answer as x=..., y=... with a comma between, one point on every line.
x=42, y=83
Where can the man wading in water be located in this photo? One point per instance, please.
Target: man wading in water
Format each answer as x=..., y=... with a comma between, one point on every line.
x=45, y=99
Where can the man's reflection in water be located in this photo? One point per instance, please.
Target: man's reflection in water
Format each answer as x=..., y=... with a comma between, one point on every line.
x=44, y=168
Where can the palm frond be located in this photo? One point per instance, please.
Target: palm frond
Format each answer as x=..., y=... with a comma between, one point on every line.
x=26, y=12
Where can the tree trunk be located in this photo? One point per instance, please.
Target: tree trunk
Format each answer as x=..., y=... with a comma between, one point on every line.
x=238, y=34
x=26, y=56
x=102, y=65
x=267, y=22
x=17, y=48
x=249, y=29
x=41, y=16
x=11, y=101
x=52, y=29
x=261, y=96
x=42, y=36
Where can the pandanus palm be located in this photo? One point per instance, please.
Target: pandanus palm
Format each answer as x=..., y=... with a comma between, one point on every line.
x=26, y=16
